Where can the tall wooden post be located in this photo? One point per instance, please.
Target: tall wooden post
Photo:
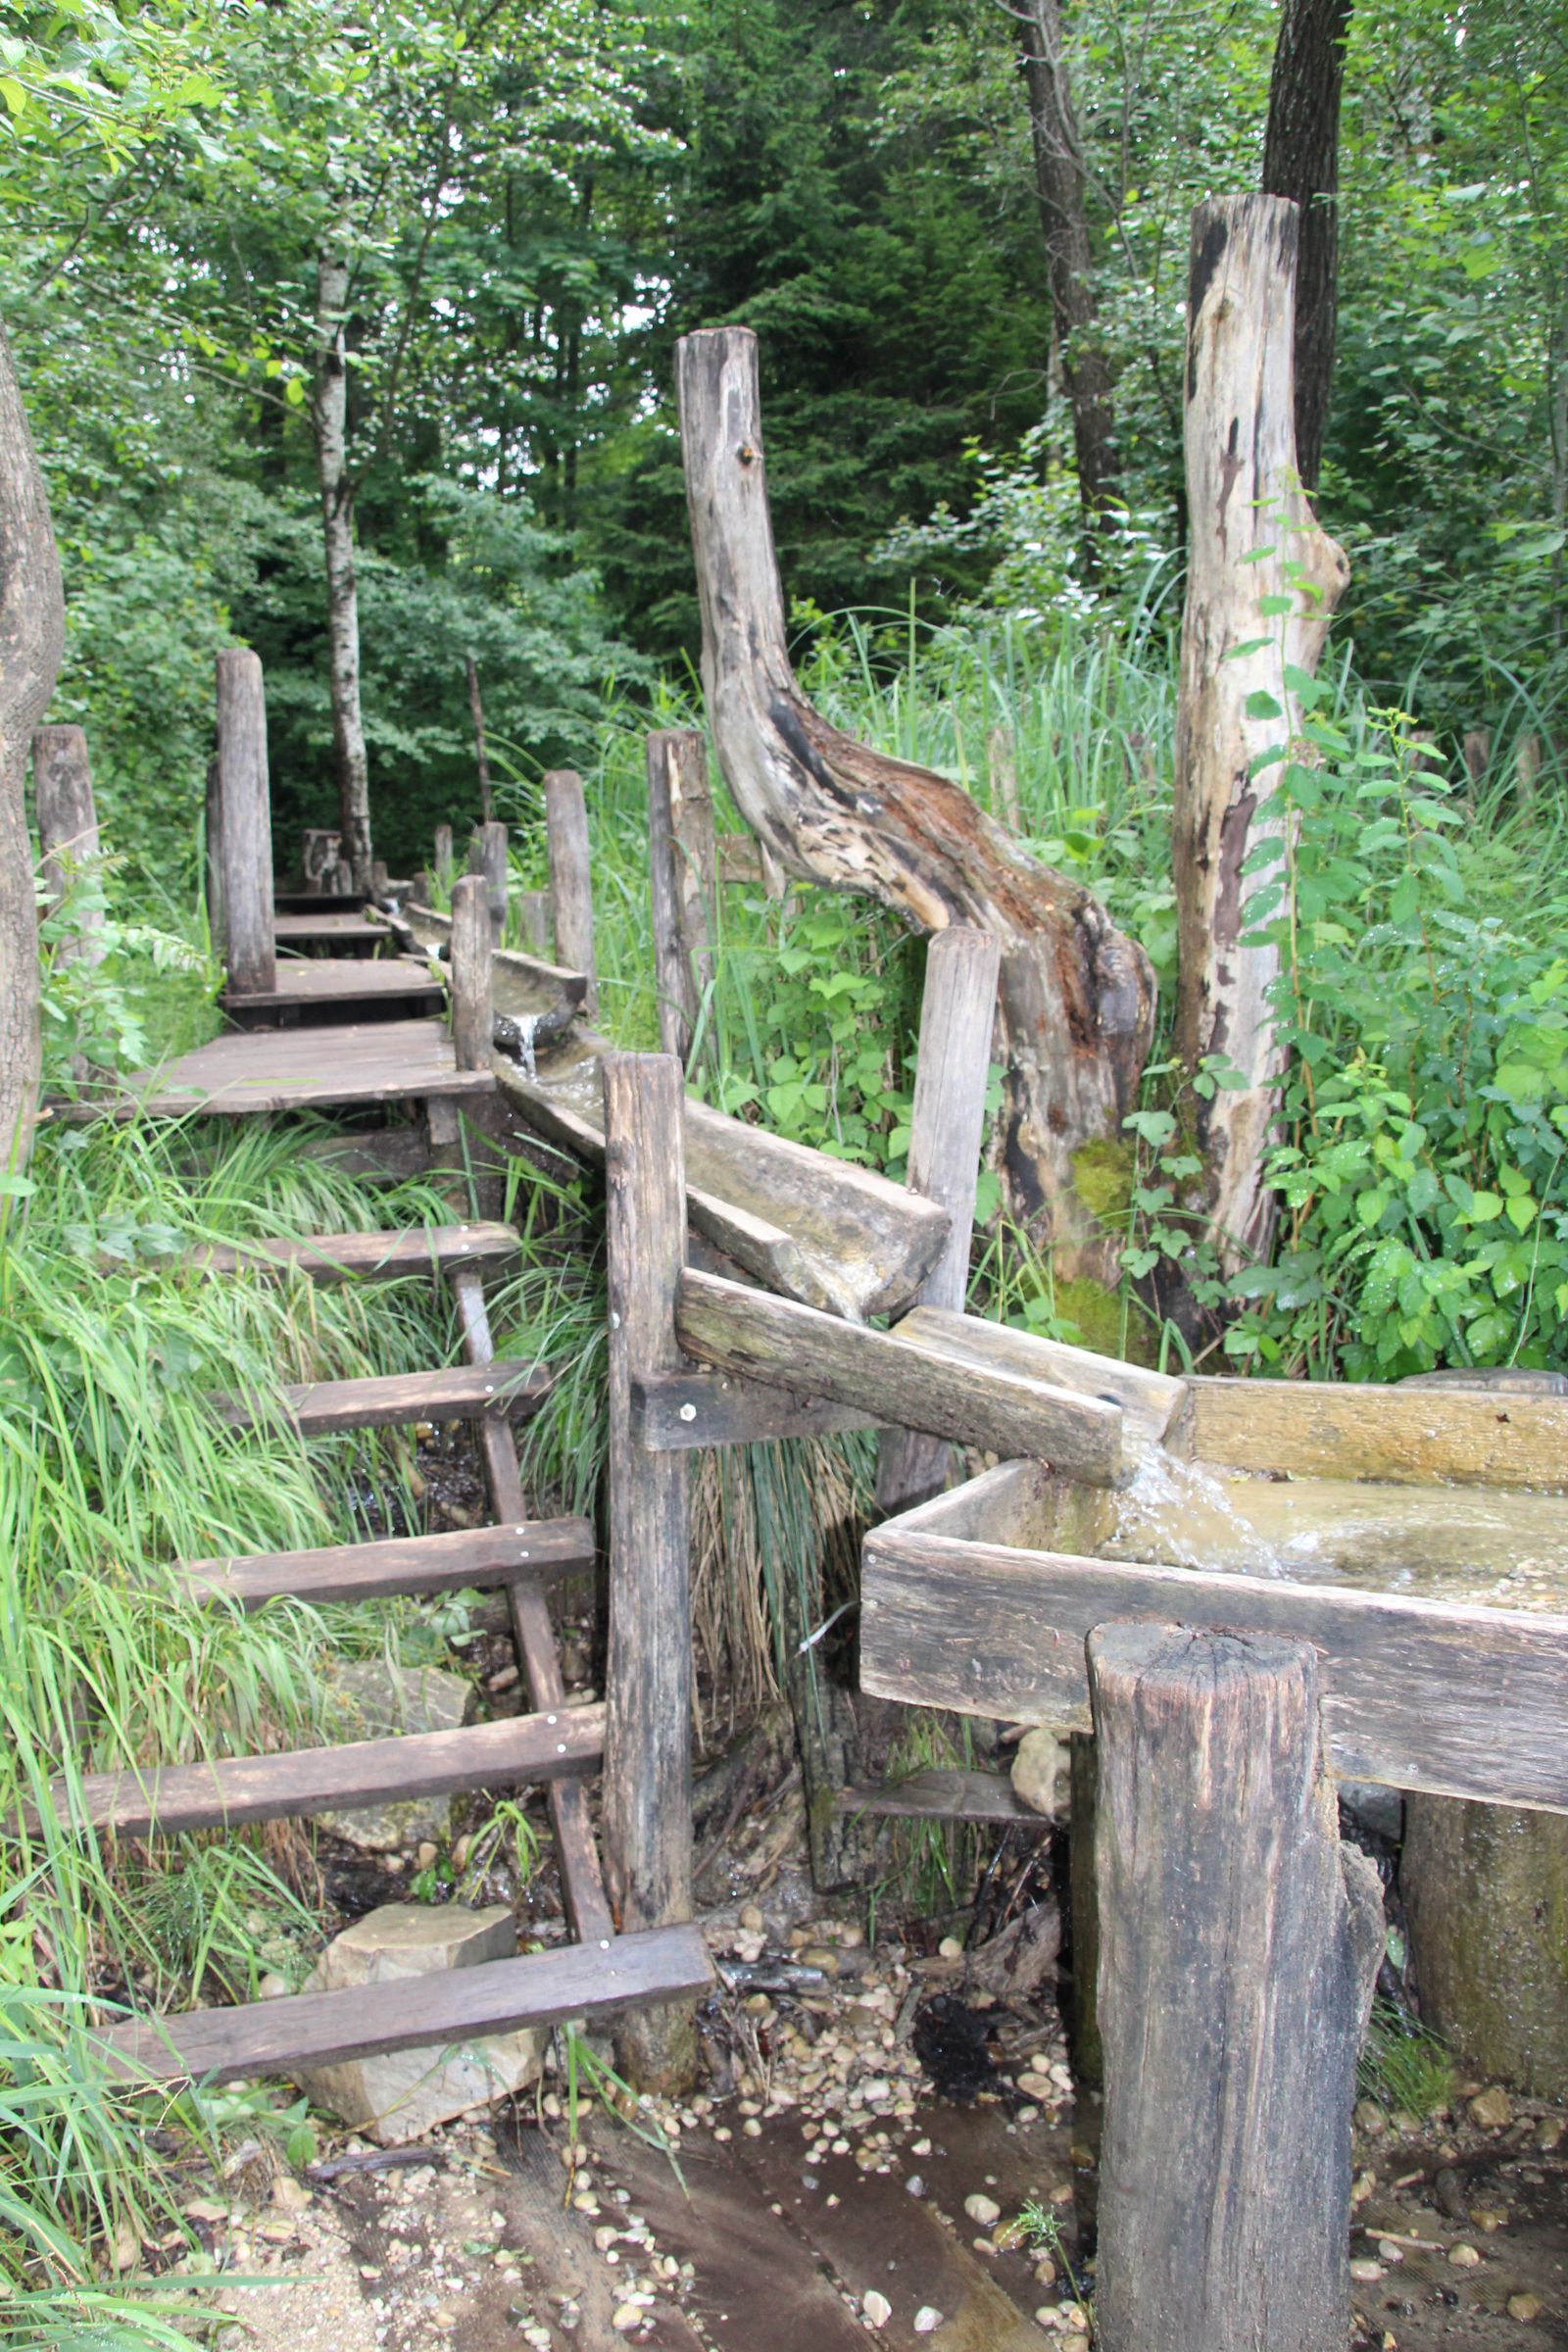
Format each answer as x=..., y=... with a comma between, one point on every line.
x=217, y=926
x=947, y=1127
x=647, y=1801
x=571, y=891
x=487, y=855
x=67, y=830
x=533, y=922
x=1238, y=1946
x=472, y=1003
x=245, y=824
x=682, y=880
x=443, y=853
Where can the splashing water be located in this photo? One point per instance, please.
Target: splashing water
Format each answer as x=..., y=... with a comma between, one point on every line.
x=527, y=1030
x=1180, y=1515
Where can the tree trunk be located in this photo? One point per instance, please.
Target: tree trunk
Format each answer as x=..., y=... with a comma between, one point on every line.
x=67, y=832
x=1302, y=161
x=1059, y=189
x=1253, y=539
x=342, y=584
x=1076, y=998
x=32, y=635
x=1239, y=1945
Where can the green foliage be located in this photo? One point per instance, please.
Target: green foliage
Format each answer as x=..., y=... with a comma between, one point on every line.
x=1403, y=2065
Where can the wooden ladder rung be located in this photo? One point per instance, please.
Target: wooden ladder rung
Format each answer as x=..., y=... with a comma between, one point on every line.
x=483, y=1557
x=943, y=1795
x=165, y=1799
x=367, y=1257
x=454, y=2006
x=466, y=1393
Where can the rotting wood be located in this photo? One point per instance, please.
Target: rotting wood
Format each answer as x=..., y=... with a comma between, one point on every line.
x=571, y=888
x=454, y=2005
x=68, y=833
x=946, y=1129
x=246, y=824
x=1253, y=539
x=533, y=922
x=1150, y=1401
x=466, y=1393
x=1424, y=1436
x=472, y=986
x=683, y=881
x=487, y=855
x=906, y=1381
x=213, y=863
x=648, y=1772
x=1238, y=1946
x=165, y=1800
x=1077, y=997
x=1459, y=1701
x=676, y=1412
x=542, y=1548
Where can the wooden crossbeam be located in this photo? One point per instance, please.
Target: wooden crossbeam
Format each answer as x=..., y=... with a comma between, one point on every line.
x=449, y=1562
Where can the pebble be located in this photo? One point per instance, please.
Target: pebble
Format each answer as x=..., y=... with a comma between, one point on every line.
x=1463, y=2256
x=927, y=2319
x=981, y=2209
x=1548, y=2133
x=1044, y=2271
x=875, y=2309
x=1369, y=2118
x=1525, y=2307
x=914, y=2186
x=625, y=2317
x=950, y=1948
x=822, y=1956
x=1491, y=2109
x=752, y=1920
x=426, y=1855
x=1365, y=2271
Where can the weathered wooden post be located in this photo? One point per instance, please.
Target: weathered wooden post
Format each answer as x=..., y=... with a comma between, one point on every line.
x=1238, y=1946
x=217, y=926
x=571, y=892
x=947, y=1127
x=648, y=1817
x=443, y=853
x=487, y=855
x=1001, y=772
x=67, y=830
x=480, y=754
x=533, y=922
x=473, y=945
x=245, y=824
x=682, y=880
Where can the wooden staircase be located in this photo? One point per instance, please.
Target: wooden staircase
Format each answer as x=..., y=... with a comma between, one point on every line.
x=556, y=1743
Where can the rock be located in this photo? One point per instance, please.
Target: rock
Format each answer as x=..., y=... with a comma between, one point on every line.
x=290, y=2195
x=1370, y=2117
x=1525, y=2307
x=625, y=2317
x=1040, y=1772
x=875, y=2309
x=1548, y=2133
x=1365, y=2272
x=426, y=1857
x=1491, y=2109
x=983, y=2209
x=270, y=1987
x=914, y=2186
x=927, y=2319
x=752, y=1920
x=401, y=2094
x=822, y=1956
x=1369, y=1808
x=369, y=1699
x=950, y=1948
x=1464, y=2257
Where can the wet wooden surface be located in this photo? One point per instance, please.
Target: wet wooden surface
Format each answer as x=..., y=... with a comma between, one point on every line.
x=306, y=1069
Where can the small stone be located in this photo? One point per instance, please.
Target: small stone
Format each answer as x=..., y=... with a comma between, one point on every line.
x=1077, y=2319
x=914, y=2186
x=625, y=2317
x=1464, y=2257
x=1491, y=2109
x=290, y=2195
x=203, y=2209
x=1040, y=1772
x=1365, y=2271
x=271, y=1986
x=1370, y=2117
x=1389, y=2252
x=950, y=1948
x=1490, y=2218
x=1548, y=2133
x=1044, y=2271
x=751, y=2128
x=822, y=1956
x=124, y=2252
x=1362, y=2187
x=752, y=1920
x=428, y=1855
x=875, y=2309
x=505, y=1680
x=1525, y=2307
x=1048, y=2316
x=927, y=2319
x=983, y=2209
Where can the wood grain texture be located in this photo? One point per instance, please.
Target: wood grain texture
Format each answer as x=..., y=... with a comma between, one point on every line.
x=306, y=1070
x=466, y=1393
x=946, y=1128
x=488, y=857
x=341, y=982
x=945, y=1796
x=572, y=886
x=245, y=828
x=473, y=984
x=1150, y=1402
x=675, y=1412
x=1428, y=1436
x=648, y=1771
x=67, y=831
x=367, y=1257
x=907, y=1383
x=1238, y=1946
x=682, y=878
x=1417, y=1694
x=483, y=1557
x=454, y=2006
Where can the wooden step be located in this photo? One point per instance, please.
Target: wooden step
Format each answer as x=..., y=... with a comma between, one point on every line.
x=323, y=2029
x=943, y=1794
x=229, y=1789
x=482, y=1557
x=466, y=1393
x=368, y=1257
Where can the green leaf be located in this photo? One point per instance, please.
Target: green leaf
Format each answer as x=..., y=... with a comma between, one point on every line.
x=1261, y=704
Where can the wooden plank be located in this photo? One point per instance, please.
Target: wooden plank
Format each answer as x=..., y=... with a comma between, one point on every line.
x=581, y=1882
x=322, y=1407
x=306, y=1070
x=323, y=2029
x=245, y=823
x=552, y=980
x=366, y=1257
x=1459, y=1701
x=1150, y=1402
x=907, y=1382
x=1423, y=1437
x=169, y=1798
x=306, y=982
x=648, y=1759
x=945, y=1796
x=351, y=929
x=542, y=1548
x=674, y=1412
x=488, y=857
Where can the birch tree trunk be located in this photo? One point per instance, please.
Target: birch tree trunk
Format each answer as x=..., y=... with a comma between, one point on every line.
x=1254, y=540
x=32, y=626
x=342, y=584
x=1076, y=998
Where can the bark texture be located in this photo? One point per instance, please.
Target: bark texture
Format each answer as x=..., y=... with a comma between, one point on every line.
x=1076, y=997
x=342, y=580
x=32, y=625
x=1060, y=190
x=1302, y=161
x=1253, y=539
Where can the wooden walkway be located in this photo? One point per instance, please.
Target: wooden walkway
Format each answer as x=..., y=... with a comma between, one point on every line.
x=315, y=987
x=257, y=1070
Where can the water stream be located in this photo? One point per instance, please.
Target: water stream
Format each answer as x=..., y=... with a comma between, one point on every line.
x=1180, y=1515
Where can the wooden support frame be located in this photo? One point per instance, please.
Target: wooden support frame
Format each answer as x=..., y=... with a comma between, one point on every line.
x=245, y=824
x=683, y=881
x=571, y=888
x=472, y=987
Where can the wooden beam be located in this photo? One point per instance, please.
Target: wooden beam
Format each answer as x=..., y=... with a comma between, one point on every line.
x=1459, y=1701
x=322, y=1408
x=366, y=1257
x=677, y=1412
x=682, y=880
x=473, y=984
x=245, y=825
x=1150, y=1402
x=946, y=1795
x=1420, y=1436
x=572, y=884
x=529, y=1549
x=648, y=1772
x=904, y=1382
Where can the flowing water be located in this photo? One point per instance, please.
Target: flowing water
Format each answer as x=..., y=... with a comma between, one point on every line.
x=1180, y=1515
